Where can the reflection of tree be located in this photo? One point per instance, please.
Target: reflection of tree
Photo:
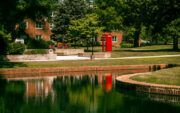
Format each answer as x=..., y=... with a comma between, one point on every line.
x=11, y=96
x=76, y=94
x=139, y=105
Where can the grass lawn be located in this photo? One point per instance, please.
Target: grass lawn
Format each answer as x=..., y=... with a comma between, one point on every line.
x=169, y=76
x=173, y=60
x=153, y=50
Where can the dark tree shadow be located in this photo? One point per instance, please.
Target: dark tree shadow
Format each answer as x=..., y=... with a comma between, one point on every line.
x=6, y=64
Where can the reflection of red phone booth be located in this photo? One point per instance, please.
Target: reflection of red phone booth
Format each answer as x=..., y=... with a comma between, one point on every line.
x=108, y=38
x=108, y=83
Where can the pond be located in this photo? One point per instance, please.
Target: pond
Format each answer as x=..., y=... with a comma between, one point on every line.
x=92, y=92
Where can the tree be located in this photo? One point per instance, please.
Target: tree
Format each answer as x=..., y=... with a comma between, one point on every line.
x=13, y=12
x=85, y=29
x=123, y=15
x=173, y=31
x=109, y=17
x=4, y=39
x=67, y=10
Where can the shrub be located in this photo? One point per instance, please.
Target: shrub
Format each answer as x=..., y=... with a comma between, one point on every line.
x=143, y=44
x=97, y=43
x=37, y=44
x=16, y=48
x=50, y=43
x=35, y=51
x=77, y=44
x=126, y=45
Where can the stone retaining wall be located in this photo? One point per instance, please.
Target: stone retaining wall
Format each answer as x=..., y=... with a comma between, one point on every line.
x=28, y=57
x=61, y=52
x=77, y=69
x=96, y=54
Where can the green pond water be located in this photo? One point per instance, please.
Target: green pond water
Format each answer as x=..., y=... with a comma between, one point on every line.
x=88, y=93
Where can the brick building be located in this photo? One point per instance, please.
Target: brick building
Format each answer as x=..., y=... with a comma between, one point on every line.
x=38, y=30
x=42, y=30
x=116, y=38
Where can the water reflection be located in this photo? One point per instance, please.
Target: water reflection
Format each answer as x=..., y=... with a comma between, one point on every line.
x=80, y=93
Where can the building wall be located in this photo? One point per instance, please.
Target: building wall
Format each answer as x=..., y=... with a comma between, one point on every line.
x=118, y=34
x=46, y=32
x=33, y=31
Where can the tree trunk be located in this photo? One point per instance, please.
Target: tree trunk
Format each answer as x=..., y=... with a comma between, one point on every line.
x=87, y=48
x=136, y=39
x=175, y=43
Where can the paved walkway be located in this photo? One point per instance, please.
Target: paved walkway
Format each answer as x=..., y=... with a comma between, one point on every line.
x=75, y=57
x=88, y=58
x=142, y=57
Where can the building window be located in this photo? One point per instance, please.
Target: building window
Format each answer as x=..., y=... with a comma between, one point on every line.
x=114, y=38
x=51, y=25
x=38, y=37
x=39, y=25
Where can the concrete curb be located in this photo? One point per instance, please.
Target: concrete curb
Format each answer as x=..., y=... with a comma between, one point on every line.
x=125, y=82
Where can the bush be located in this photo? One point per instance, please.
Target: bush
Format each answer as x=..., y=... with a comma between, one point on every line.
x=37, y=44
x=126, y=45
x=97, y=43
x=16, y=48
x=50, y=43
x=77, y=44
x=35, y=51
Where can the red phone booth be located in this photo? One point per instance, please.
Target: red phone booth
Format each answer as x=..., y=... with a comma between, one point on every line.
x=106, y=37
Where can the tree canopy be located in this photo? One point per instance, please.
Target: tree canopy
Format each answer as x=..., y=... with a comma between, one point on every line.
x=67, y=10
x=84, y=29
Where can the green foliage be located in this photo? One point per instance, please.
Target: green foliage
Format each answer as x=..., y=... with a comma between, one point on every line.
x=37, y=44
x=126, y=45
x=50, y=42
x=16, y=48
x=128, y=34
x=143, y=19
x=84, y=29
x=173, y=29
x=67, y=10
x=109, y=16
x=13, y=12
x=17, y=10
x=4, y=39
x=144, y=44
x=15, y=87
x=35, y=51
x=2, y=106
x=19, y=32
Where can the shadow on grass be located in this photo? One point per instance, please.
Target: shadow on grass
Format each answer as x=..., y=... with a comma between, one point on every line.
x=4, y=64
x=156, y=50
